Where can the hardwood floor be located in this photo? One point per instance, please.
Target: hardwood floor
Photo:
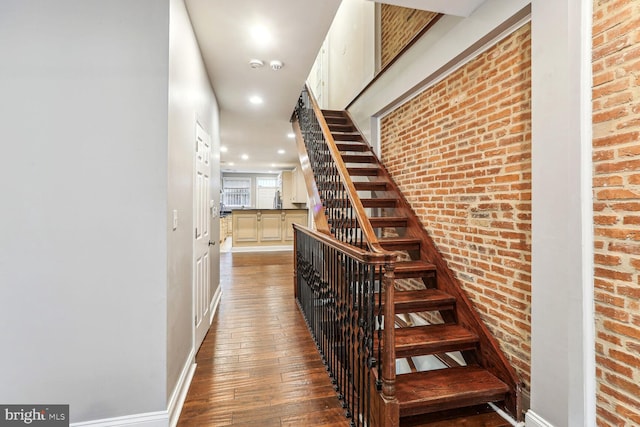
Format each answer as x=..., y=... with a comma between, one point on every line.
x=258, y=365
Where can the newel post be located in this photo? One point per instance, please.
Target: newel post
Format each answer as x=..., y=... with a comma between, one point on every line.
x=389, y=409
x=389, y=355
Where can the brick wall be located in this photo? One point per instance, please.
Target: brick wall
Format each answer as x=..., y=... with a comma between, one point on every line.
x=616, y=190
x=398, y=26
x=461, y=153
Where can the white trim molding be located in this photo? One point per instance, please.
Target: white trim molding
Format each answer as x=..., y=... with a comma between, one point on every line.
x=180, y=391
x=534, y=420
x=149, y=419
x=215, y=302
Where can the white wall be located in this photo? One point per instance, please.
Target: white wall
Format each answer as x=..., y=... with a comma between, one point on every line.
x=83, y=178
x=450, y=43
x=190, y=98
x=351, y=51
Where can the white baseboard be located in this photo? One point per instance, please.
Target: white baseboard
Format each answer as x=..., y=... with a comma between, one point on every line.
x=180, y=391
x=215, y=301
x=534, y=420
x=262, y=248
x=149, y=419
x=168, y=418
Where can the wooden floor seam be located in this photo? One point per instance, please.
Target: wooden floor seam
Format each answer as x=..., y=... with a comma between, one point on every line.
x=258, y=365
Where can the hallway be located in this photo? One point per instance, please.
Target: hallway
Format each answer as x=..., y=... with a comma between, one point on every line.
x=258, y=366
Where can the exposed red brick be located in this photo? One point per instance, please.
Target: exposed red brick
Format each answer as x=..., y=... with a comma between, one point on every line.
x=479, y=213
x=398, y=26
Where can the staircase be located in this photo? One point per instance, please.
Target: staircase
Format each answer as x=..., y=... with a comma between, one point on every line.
x=448, y=365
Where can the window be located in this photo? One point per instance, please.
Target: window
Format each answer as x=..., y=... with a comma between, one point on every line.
x=236, y=192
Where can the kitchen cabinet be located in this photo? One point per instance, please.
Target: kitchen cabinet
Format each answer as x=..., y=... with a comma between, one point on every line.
x=294, y=190
x=266, y=227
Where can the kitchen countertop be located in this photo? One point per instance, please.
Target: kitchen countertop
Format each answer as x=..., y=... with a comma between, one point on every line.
x=268, y=209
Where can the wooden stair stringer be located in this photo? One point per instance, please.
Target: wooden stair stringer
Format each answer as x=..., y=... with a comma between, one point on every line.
x=490, y=357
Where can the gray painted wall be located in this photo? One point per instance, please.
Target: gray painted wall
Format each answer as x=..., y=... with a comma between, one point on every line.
x=83, y=179
x=190, y=98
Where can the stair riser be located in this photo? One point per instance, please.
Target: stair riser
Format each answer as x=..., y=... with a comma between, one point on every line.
x=370, y=186
x=348, y=158
x=346, y=136
x=378, y=203
x=363, y=171
x=402, y=353
x=352, y=147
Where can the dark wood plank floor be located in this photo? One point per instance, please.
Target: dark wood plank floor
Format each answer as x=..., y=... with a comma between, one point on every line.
x=258, y=365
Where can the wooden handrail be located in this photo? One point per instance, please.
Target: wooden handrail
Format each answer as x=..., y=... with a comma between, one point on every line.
x=356, y=203
x=375, y=255
x=368, y=257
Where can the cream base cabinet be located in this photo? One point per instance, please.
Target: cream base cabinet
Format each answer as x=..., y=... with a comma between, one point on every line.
x=270, y=228
x=266, y=227
x=245, y=228
x=294, y=218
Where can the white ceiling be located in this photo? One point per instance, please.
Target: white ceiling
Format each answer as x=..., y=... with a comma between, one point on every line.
x=223, y=29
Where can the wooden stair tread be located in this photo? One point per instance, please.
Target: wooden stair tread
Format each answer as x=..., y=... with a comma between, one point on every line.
x=400, y=243
x=359, y=158
x=352, y=146
x=370, y=185
x=430, y=339
x=442, y=389
x=336, y=120
x=363, y=171
x=346, y=136
x=379, y=203
x=418, y=268
x=473, y=416
x=388, y=221
x=333, y=113
x=341, y=127
x=422, y=300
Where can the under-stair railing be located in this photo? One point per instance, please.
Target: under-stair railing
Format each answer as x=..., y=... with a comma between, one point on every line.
x=343, y=208
x=346, y=295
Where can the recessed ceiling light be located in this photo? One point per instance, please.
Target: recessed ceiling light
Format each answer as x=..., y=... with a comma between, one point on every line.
x=281, y=151
x=291, y=135
x=256, y=100
x=261, y=34
x=273, y=165
x=231, y=163
x=245, y=157
x=223, y=149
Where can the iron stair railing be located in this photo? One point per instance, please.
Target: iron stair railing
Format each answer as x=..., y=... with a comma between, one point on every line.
x=338, y=290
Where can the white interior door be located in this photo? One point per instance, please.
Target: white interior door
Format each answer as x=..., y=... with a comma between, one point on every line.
x=202, y=265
